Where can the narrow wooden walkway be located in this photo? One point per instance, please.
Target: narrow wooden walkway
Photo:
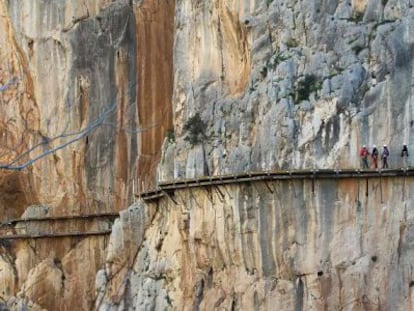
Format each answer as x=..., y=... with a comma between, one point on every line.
x=167, y=188
x=60, y=218
x=8, y=228
x=54, y=235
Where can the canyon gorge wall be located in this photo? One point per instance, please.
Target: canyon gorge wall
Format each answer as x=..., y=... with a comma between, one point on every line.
x=268, y=85
x=75, y=70
x=289, y=84
x=330, y=246
x=188, y=88
x=73, y=77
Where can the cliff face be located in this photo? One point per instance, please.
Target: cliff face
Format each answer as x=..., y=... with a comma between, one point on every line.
x=98, y=68
x=262, y=85
x=74, y=79
x=325, y=247
x=244, y=85
x=75, y=70
x=289, y=84
x=155, y=33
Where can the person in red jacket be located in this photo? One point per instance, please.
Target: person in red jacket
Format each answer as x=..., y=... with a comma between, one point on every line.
x=364, y=153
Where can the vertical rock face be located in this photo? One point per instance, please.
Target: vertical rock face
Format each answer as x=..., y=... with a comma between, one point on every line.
x=155, y=26
x=289, y=84
x=254, y=85
x=262, y=85
x=337, y=244
x=81, y=82
x=75, y=67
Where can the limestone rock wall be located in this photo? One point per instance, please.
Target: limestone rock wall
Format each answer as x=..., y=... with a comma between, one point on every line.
x=75, y=70
x=262, y=85
x=289, y=84
x=155, y=33
x=50, y=273
x=93, y=77
x=331, y=249
x=254, y=85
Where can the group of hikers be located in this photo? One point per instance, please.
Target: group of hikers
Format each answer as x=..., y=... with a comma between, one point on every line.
x=364, y=154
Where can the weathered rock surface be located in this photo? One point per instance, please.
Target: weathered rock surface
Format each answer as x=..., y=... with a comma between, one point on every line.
x=258, y=85
x=289, y=84
x=277, y=85
x=97, y=72
x=76, y=66
x=293, y=249
x=155, y=36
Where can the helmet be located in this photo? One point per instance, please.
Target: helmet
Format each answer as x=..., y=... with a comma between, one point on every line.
x=363, y=146
x=373, y=146
x=385, y=145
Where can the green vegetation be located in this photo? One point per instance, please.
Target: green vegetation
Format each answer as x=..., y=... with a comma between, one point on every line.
x=306, y=86
x=358, y=17
x=195, y=127
x=275, y=60
x=292, y=43
x=170, y=136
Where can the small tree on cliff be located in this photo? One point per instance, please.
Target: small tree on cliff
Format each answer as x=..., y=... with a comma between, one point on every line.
x=195, y=127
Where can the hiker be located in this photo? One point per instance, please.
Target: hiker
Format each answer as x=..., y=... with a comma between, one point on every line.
x=404, y=154
x=384, y=156
x=374, y=156
x=364, y=156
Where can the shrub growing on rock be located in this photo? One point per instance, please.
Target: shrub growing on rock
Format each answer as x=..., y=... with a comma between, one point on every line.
x=194, y=128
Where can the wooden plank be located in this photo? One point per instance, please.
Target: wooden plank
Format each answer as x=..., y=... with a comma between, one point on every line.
x=61, y=218
x=54, y=235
